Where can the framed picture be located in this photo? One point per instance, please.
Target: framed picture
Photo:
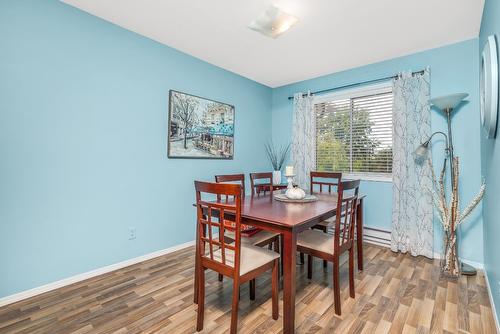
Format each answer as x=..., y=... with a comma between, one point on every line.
x=199, y=128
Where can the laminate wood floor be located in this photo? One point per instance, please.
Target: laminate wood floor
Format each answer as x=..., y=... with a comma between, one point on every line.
x=394, y=294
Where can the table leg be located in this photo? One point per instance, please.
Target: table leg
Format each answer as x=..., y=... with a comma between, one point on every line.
x=289, y=259
x=359, y=233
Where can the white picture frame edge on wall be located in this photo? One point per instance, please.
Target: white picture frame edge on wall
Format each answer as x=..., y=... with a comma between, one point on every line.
x=489, y=87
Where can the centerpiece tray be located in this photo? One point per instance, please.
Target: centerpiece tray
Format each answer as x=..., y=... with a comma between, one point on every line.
x=307, y=199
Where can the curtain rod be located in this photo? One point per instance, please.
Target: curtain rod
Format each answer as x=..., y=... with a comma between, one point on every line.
x=357, y=84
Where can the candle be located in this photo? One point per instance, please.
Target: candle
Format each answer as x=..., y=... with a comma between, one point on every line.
x=289, y=170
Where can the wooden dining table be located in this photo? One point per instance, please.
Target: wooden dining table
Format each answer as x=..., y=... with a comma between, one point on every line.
x=289, y=219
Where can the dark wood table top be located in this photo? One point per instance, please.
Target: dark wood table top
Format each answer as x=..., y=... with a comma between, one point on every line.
x=285, y=214
x=288, y=215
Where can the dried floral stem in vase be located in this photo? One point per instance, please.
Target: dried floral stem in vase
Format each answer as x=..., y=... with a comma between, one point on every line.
x=450, y=215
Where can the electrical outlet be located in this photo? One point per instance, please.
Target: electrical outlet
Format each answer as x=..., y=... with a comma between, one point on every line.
x=131, y=233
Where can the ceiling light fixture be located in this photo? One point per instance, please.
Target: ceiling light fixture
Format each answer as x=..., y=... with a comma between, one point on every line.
x=273, y=22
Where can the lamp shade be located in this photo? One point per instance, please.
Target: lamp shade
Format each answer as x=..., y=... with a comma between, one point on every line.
x=448, y=101
x=420, y=154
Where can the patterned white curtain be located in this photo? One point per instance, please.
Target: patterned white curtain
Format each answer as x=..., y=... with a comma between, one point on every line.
x=304, y=139
x=412, y=211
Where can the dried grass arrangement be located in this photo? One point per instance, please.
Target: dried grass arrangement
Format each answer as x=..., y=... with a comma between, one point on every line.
x=277, y=154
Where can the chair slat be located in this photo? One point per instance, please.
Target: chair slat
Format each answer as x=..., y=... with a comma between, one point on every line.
x=218, y=217
x=264, y=187
x=320, y=179
x=231, y=178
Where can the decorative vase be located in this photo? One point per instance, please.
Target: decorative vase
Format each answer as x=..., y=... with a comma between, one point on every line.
x=276, y=177
x=295, y=193
x=449, y=263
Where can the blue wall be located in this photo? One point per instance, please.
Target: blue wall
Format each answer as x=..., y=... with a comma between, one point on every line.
x=83, y=113
x=490, y=163
x=453, y=69
x=83, y=126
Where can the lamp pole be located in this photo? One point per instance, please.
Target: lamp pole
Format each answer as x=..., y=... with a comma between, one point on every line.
x=450, y=143
x=446, y=104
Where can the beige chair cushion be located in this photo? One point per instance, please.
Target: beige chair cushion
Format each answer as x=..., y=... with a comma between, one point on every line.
x=327, y=222
x=251, y=258
x=317, y=240
x=330, y=221
x=256, y=239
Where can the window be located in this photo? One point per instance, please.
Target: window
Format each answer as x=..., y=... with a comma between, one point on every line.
x=354, y=132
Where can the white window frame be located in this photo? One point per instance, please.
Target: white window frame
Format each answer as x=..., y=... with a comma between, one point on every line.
x=349, y=93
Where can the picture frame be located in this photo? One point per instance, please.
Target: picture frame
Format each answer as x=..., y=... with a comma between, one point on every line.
x=199, y=128
x=489, y=87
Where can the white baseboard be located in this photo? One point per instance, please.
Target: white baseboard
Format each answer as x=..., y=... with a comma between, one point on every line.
x=477, y=265
x=89, y=274
x=490, y=295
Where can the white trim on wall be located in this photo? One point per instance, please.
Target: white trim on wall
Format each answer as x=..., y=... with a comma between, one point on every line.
x=89, y=274
x=477, y=265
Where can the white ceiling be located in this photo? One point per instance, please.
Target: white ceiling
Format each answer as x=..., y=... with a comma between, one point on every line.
x=332, y=35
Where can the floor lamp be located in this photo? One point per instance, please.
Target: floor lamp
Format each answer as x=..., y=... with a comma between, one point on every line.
x=446, y=104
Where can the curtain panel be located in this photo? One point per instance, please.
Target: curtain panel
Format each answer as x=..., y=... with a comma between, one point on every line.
x=303, y=138
x=412, y=212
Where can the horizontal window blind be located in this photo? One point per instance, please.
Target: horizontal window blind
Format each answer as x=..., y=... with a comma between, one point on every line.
x=354, y=135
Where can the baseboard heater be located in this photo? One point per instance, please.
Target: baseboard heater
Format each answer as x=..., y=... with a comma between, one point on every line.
x=377, y=236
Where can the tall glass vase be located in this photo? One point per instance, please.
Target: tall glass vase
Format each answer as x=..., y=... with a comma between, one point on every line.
x=449, y=262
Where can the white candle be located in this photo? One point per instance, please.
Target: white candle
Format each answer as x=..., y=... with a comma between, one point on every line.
x=289, y=170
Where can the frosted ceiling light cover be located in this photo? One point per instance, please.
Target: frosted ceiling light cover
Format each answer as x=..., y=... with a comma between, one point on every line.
x=273, y=22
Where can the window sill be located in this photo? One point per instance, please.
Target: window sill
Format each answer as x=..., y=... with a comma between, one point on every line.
x=367, y=177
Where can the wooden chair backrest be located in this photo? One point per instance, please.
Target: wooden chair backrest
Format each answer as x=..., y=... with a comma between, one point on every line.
x=264, y=187
x=346, y=215
x=232, y=178
x=324, y=181
x=218, y=217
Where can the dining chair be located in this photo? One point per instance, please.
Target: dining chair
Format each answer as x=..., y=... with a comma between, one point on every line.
x=265, y=188
x=234, y=259
x=260, y=238
x=329, y=247
x=261, y=188
x=232, y=178
x=323, y=182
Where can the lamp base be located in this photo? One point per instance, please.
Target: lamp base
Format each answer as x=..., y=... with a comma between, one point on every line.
x=467, y=269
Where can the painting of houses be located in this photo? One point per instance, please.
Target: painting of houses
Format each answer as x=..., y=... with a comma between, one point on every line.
x=199, y=128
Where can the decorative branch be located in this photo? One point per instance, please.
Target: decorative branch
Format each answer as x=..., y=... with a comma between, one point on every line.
x=472, y=205
x=449, y=214
x=438, y=194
